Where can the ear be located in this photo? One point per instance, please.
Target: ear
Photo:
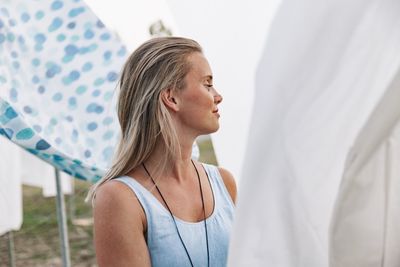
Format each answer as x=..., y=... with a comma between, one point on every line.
x=168, y=96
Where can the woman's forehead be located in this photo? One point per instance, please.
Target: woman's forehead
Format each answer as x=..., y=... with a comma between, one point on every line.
x=200, y=66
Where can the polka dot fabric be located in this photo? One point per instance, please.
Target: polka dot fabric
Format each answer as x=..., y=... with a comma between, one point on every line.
x=59, y=67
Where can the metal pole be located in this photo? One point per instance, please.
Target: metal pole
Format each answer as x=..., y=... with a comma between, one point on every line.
x=62, y=223
x=11, y=255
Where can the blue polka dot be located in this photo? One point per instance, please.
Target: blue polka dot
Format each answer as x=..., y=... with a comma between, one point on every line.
x=53, y=121
x=76, y=11
x=107, y=153
x=107, y=55
x=58, y=140
x=122, y=51
x=92, y=126
x=44, y=155
x=4, y=11
x=57, y=97
x=7, y=132
x=96, y=93
x=61, y=37
x=35, y=62
x=55, y=24
x=21, y=40
x=72, y=76
x=28, y=109
x=10, y=113
x=87, y=67
x=71, y=25
x=108, y=135
x=112, y=76
x=56, y=5
x=87, y=153
x=40, y=38
x=72, y=102
x=41, y=89
x=98, y=82
x=35, y=79
x=74, y=136
x=71, y=50
x=42, y=145
x=105, y=36
x=89, y=34
x=12, y=22
x=69, y=118
x=84, y=50
x=39, y=15
x=108, y=95
x=25, y=17
x=99, y=24
x=14, y=95
x=55, y=156
x=94, y=108
x=67, y=58
x=2, y=38
x=81, y=89
x=14, y=54
x=10, y=37
x=77, y=161
x=108, y=121
x=24, y=134
x=52, y=70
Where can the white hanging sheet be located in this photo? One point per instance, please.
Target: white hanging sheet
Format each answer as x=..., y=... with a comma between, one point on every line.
x=36, y=172
x=325, y=66
x=10, y=187
x=365, y=227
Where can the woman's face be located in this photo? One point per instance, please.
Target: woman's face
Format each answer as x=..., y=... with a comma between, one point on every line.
x=198, y=100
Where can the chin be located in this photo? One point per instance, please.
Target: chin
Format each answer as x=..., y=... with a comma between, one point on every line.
x=213, y=129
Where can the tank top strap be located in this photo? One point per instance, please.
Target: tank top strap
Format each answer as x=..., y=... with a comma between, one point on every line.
x=221, y=194
x=151, y=206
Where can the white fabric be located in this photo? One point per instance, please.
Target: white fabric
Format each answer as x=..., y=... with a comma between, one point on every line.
x=10, y=187
x=232, y=35
x=325, y=66
x=365, y=228
x=35, y=172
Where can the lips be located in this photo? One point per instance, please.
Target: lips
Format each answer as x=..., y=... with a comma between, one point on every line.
x=216, y=113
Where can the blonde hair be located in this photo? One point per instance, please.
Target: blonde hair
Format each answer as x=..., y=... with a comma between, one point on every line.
x=158, y=64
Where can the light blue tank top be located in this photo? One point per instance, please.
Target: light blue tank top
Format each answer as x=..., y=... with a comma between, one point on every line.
x=166, y=249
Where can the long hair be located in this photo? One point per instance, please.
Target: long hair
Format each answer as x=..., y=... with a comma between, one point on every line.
x=157, y=65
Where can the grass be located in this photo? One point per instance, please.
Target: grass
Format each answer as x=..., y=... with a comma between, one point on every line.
x=37, y=242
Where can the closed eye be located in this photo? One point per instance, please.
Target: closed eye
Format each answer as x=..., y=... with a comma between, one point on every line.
x=209, y=86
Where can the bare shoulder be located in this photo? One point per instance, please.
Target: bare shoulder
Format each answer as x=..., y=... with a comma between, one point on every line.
x=115, y=194
x=116, y=200
x=229, y=182
x=119, y=227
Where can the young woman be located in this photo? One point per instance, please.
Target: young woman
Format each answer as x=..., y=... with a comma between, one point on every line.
x=156, y=206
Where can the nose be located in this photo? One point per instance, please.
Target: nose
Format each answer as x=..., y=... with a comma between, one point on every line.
x=217, y=97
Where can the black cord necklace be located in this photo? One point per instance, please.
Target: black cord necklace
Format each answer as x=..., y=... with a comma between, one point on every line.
x=173, y=218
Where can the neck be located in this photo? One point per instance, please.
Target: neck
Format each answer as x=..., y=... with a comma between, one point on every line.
x=179, y=167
